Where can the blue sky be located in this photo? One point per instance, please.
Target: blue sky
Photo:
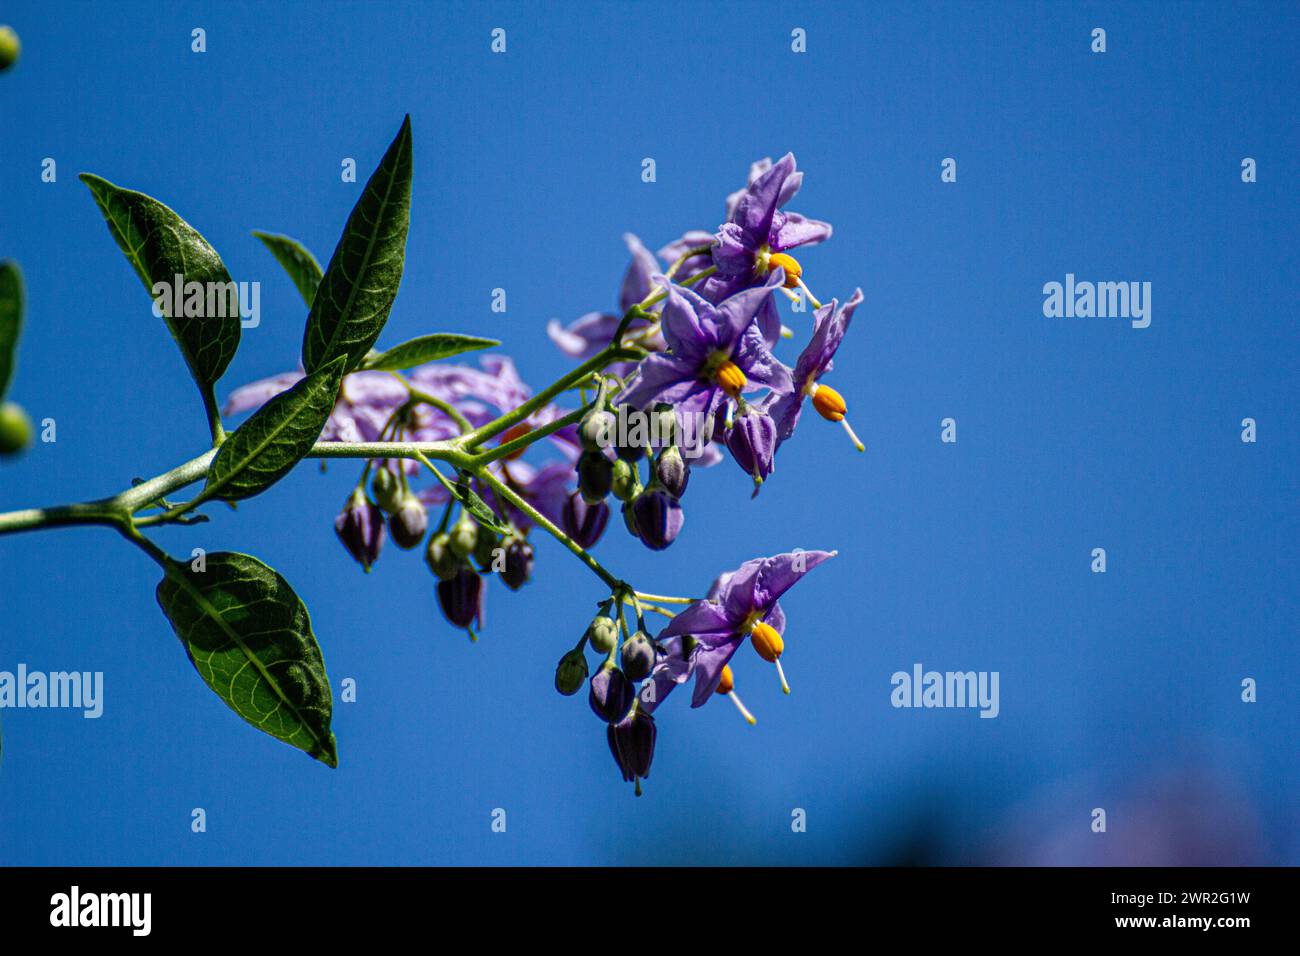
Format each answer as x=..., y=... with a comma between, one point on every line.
x=1072, y=433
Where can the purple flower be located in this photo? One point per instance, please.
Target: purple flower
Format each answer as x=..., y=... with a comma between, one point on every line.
x=757, y=237
x=830, y=323
x=752, y=442
x=360, y=526
x=701, y=640
x=590, y=333
x=715, y=351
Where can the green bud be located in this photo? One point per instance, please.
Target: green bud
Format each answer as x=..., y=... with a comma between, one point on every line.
x=596, y=431
x=386, y=490
x=442, y=561
x=571, y=672
x=15, y=429
x=602, y=634
x=485, y=545
x=627, y=480
x=9, y=47
x=595, y=473
x=464, y=535
x=664, y=425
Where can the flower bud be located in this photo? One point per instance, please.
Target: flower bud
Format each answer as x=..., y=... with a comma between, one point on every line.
x=595, y=476
x=485, y=547
x=602, y=634
x=632, y=453
x=360, y=526
x=10, y=47
x=638, y=656
x=571, y=672
x=461, y=597
x=663, y=425
x=752, y=442
x=386, y=489
x=519, y=563
x=596, y=430
x=658, y=517
x=464, y=536
x=629, y=520
x=409, y=522
x=15, y=428
x=442, y=561
x=632, y=742
x=672, y=472
x=611, y=694
x=582, y=522
x=627, y=481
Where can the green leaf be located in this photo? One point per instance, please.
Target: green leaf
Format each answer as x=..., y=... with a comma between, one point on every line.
x=300, y=264
x=357, y=291
x=249, y=636
x=11, y=321
x=479, y=509
x=277, y=436
x=427, y=348
x=161, y=245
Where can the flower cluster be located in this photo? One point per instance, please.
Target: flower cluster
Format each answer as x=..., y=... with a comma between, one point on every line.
x=683, y=373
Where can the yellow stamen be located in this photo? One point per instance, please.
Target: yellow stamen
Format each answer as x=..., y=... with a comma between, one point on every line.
x=791, y=266
x=767, y=641
x=727, y=686
x=830, y=406
x=808, y=292
x=730, y=378
x=829, y=403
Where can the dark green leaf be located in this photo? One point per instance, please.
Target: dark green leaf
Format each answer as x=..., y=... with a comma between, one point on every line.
x=161, y=245
x=11, y=321
x=427, y=348
x=300, y=264
x=249, y=636
x=357, y=291
x=277, y=436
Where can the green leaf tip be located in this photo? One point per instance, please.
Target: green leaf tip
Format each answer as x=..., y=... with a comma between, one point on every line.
x=360, y=283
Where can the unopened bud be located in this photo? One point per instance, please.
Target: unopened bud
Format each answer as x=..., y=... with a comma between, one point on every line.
x=596, y=430
x=464, y=535
x=584, y=522
x=15, y=429
x=672, y=471
x=627, y=482
x=595, y=476
x=602, y=634
x=611, y=694
x=461, y=598
x=632, y=742
x=360, y=526
x=442, y=561
x=386, y=489
x=10, y=47
x=409, y=522
x=638, y=656
x=658, y=517
x=485, y=546
x=571, y=672
x=518, y=564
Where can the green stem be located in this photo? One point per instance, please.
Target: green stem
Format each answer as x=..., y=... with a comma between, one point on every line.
x=607, y=355
x=506, y=449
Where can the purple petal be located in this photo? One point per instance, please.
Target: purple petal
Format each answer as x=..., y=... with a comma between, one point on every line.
x=662, y=377
x=636, y=281
x=709, y=662
x=754, y=210
x=778, y=574
x=798, y=230
x=256, y=394
x=760, y=366
x=707, y=622
x=737, y=312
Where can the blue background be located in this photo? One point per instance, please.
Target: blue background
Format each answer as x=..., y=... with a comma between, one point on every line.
x=1119, y=690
